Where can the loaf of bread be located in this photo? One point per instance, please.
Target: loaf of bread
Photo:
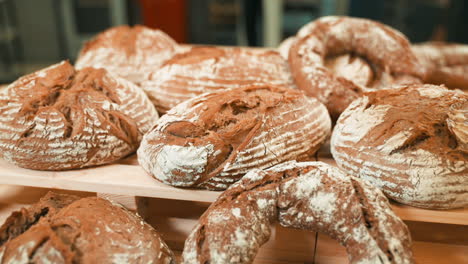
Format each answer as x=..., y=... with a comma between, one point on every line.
x=65, y=229
x=212, y=140
x=306, y=195
x=130, y=52
x=336, y=59
x=59, y=118
x=208, y=69
x=446, y=63
x=410, y=142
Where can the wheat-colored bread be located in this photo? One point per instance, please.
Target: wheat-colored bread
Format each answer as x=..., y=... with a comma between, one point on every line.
x=306, y=195
x=59, y=118
x=336, y=59
x=66, y=229
x=446, y=63
x=208, y=69
x=130, y=52
x=411, y=142
x=212, y=140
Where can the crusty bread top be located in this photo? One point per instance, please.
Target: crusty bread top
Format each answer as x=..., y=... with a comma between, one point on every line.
x=60, y=118
x=382, y=54
x=130, y=52
x=88, y=230
x=411, y=142
x=208, y=69
x=215, y=138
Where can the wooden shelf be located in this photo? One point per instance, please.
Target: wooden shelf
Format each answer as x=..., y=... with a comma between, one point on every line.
x=127, y=178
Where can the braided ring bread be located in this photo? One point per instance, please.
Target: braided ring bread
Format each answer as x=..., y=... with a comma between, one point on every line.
x=212, y=140
x=130, y=52
x=446, y=63
x=342, y=57
x=59, y=118
x=308, y=195
x=411, y=142
x=208, y=69
x=64, y=229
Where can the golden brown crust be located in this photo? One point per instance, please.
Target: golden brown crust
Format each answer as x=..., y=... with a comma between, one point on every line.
x=385, y=53
x=87, y=230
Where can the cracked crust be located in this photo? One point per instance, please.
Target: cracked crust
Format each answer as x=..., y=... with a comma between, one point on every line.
x=307, y=195
x=59, y=118
x=212, y=140
x=410, y=142
x=380, y=53
x=73, y=230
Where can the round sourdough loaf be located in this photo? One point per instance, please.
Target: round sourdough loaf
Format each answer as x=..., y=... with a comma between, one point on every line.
x=336, y=59
x=306, y=195
x=446, y=63
x=66, y=229
x=411, y=142
x=209, y=69
x=130, y=52
x=212, y=140
x=59, y=118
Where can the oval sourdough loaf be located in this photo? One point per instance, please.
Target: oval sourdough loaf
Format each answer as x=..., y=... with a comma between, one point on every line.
x=446, y=63
x=410, y=142
x=305, y=195
x=130, y=52
x=65, y=229
x=336, y=59
x=208, y=69
x=212, y=140
x=59, y=118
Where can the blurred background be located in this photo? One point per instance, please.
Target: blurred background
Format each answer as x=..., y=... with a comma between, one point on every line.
x=37, y=33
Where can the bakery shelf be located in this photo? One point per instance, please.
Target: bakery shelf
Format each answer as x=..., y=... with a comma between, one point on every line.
x=128, y=179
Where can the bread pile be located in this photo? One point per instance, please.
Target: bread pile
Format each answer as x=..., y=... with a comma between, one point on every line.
x=234, y=114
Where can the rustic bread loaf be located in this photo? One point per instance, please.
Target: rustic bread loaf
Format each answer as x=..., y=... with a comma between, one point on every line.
x=410, y=142
x=305, y=195
x=336, y=59
x=130, y=52
x=446, y=63
x=66, y=229
x=212, y=140
x=208, y=69
x=59, y=118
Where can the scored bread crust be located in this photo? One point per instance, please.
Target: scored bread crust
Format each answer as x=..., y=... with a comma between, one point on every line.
x=410, y=142
x=130, y=52
x=208, y=69
x=59, y=118
x=88, y=230
x=306, y=195
x=446, y=63
x=385, y=52
x=212, y=140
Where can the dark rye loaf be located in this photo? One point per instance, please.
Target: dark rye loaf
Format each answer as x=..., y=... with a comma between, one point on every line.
x=59, y=118
x=336, y=59
x=411, y=142
x=66, y=229
x=212, y=140
x=306, y=195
